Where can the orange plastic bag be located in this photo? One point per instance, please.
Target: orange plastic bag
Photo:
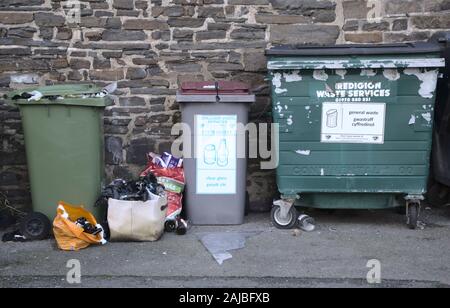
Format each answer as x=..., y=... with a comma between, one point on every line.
x=69, y=236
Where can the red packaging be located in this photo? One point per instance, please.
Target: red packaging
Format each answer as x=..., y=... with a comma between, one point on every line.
x=174, y=182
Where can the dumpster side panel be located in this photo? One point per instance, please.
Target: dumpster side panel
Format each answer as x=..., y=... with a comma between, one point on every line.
x=65, y=155
x=395, y=161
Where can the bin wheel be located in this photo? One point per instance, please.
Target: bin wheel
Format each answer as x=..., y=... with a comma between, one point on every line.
x=281, y=223
x=170, y=226
x=413, y=215
x=35, y=227
x=438, y=195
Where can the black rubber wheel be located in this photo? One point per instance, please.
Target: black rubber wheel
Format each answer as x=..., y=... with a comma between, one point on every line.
x=170, y=226
x=413, y=215
x=284, y=224
x=35, y=227
x=438, y=195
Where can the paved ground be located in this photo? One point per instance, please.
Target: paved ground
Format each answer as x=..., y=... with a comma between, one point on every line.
x=335, y=255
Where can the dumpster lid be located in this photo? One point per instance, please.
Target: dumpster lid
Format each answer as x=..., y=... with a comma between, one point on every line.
x=208, y=91
x=441, y=37
x=68, y=94
x=354, y=49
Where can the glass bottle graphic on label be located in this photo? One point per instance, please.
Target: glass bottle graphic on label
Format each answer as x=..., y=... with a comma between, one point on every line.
x=222, y=154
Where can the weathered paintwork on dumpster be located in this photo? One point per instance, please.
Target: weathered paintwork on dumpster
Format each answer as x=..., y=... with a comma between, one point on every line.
x=355, y=132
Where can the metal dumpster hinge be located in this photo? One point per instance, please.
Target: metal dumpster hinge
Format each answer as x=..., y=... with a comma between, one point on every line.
x=414, y=198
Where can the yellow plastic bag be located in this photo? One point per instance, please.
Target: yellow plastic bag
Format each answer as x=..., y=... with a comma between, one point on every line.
x=69, y=236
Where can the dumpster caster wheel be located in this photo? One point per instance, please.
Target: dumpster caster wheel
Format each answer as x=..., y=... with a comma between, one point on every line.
x=35, y=227
x=412, y=215
x=170, y=226
x=284, y=223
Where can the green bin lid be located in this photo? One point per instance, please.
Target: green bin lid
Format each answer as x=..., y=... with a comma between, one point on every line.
x=68, y=94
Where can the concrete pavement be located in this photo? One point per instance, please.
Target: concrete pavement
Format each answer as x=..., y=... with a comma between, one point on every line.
x=335, y=255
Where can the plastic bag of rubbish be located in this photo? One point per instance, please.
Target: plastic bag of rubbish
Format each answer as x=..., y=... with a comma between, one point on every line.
x=169, y=173
x=137, y=220
x=72, y=235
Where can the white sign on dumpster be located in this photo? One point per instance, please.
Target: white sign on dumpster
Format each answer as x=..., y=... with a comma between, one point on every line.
x=353, y=123
x=216, y=150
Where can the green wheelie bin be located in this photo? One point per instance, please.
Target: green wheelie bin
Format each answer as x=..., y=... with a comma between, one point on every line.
x=63, y=131
x=355, y=126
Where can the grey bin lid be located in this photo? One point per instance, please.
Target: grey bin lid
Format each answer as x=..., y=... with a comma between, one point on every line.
x=213, y=92
x=355, y=49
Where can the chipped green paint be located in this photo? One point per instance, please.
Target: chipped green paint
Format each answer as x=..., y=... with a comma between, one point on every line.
x=351, y=174
x=290, y=63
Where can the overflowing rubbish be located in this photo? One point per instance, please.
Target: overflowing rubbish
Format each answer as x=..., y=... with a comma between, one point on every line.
x=87, y=226
x=220, y=244
x=140, y=190
x=140, y=210
x=169, y=172
x=14, y=236
x=140, y=221
x=306, y=223
x=296, y=232
x=37, y=95
x=179, y=226
x=134, y=209
x=421, y=225
x=75, y=228
x=166, y=160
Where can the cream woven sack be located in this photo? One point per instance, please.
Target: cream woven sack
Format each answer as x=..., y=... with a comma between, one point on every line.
x=136, y=220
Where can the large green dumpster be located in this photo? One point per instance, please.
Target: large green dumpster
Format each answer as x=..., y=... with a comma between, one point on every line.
x=355, y=125
x=63, y=133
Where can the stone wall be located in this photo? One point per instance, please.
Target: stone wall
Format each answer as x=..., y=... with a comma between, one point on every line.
x=151, y=46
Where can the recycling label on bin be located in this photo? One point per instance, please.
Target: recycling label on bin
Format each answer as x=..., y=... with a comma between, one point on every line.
x=353, y=123
x=216, y=150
